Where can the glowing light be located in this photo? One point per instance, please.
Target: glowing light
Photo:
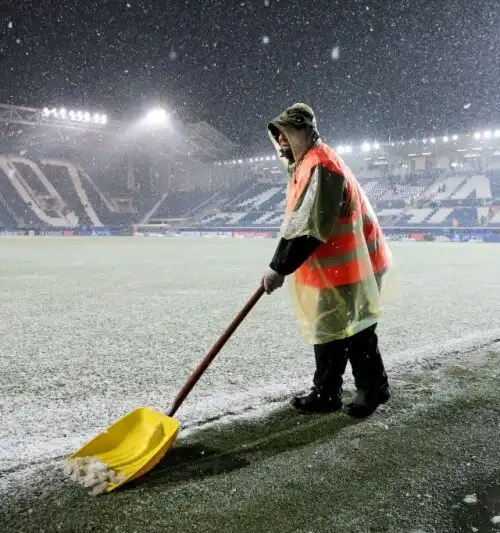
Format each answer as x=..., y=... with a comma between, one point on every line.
x=157, y=116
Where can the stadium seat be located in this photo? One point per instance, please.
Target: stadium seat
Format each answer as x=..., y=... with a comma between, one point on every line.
x=478, y=185
x=439, y=216
x=448, y=185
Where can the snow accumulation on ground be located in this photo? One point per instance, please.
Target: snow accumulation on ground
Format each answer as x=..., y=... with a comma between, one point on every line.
x=93, y=328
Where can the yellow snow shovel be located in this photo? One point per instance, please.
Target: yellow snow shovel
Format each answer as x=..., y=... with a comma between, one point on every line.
x=135, y=443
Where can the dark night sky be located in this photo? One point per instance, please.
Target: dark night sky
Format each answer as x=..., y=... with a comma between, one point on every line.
x=404, y=68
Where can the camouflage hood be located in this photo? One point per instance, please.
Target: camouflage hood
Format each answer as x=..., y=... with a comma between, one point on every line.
x=293, y=119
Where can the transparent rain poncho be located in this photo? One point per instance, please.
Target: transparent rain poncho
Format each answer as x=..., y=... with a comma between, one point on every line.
x=340, y=289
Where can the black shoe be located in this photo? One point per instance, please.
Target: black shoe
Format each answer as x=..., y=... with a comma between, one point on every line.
x=366, y=403
x=316, y=403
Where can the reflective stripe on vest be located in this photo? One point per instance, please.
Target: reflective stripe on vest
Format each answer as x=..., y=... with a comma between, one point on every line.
x=356, y=249
x=344, y=269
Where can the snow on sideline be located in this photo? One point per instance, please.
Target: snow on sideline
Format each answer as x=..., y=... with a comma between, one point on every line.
x=23, y=459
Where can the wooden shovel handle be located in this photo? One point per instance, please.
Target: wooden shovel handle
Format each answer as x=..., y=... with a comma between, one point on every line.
x=216, y=348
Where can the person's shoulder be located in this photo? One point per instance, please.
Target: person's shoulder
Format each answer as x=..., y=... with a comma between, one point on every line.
x=325, y=157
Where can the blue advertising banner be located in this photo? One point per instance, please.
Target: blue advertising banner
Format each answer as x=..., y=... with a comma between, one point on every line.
x=444, y=234
x=392, y=233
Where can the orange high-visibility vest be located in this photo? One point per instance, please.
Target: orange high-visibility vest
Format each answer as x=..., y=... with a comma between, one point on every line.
x=356, y=249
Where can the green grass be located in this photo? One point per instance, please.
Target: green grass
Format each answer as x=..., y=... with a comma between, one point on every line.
x=405, y=469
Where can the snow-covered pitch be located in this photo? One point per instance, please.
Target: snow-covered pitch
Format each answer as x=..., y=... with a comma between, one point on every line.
x=94, y=327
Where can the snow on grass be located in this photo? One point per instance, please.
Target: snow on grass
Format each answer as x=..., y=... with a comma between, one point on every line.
x=94, y=328
x=266, y=475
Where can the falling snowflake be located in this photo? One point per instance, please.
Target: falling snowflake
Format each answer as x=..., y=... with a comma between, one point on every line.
x=265, y=39
x=9, y=25
x=129, y=5
x=18, y=41
x=466, y=106
x=266, y=3
x=172, y=55
x=336, y=53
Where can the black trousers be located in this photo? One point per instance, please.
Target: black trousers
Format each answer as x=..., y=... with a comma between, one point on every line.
x=361, y=350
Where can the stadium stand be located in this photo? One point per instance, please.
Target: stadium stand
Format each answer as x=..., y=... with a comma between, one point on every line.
x=415, y=202
x=55, y=193
x=494, y=179
x=178, y=204
x=477, y=186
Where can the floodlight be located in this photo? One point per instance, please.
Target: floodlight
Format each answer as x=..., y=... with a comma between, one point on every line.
x=157, y=116
x=366, y=147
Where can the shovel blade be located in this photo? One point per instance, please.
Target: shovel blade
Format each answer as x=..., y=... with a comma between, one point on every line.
x=134, y=444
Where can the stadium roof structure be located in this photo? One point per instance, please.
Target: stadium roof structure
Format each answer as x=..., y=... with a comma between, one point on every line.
x=209, y=141
x=80, y=130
